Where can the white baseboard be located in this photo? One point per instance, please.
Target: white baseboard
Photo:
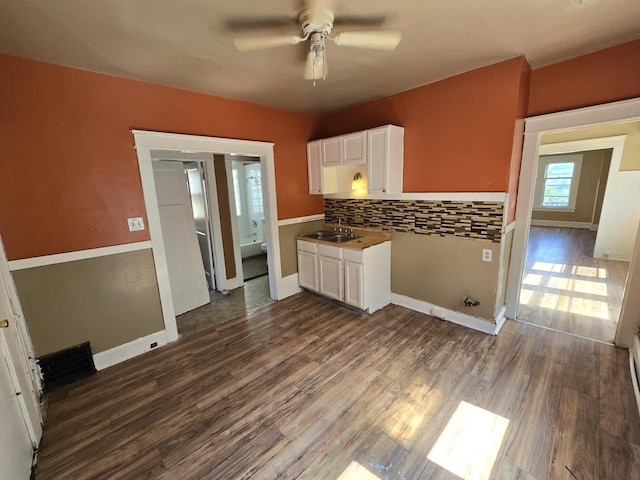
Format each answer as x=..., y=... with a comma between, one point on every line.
x=288, y=286
x=559, y=223
x=475, y=323
x=128, y=350
x=501, y=318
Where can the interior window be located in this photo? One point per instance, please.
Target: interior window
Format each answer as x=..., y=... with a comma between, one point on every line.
x=557, y=185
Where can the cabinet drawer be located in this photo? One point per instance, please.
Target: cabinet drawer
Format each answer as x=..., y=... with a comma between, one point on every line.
x=329, y=251
x=305, y=246
x=353, y=255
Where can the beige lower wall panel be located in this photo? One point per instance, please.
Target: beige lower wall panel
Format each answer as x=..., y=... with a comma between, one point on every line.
x=444, y=270
x=288, y=256
x=108, y=301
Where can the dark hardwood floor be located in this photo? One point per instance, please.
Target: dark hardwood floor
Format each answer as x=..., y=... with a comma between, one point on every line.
x=566, y=289
x=306, y=389
x=222, y=308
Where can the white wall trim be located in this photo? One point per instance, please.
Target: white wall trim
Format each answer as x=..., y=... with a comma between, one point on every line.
x=475, y=323
x=626, y=110
x=308, y=218
x=560, y=223
x=582, y=145
x=128, y=350
x=197, y=143
x=77, y=255
x=509, y=227
x=431, y=196
x=501, y=318
x=289, y=286
x=535, y=127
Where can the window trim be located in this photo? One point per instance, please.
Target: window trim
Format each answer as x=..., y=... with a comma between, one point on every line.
x=543, y=162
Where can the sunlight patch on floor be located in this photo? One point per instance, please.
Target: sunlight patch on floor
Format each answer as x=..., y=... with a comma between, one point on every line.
x=469, y=444
x=580, y=286
x=532, y=279
x=355, y=471
x=595, y=272
x=525, y=296
x=549, y=267
x=567, y=303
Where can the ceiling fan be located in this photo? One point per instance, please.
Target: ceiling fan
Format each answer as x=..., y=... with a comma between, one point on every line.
x=316, y=19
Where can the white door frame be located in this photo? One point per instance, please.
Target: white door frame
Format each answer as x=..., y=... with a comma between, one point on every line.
x=145, y=142
x=535, y=128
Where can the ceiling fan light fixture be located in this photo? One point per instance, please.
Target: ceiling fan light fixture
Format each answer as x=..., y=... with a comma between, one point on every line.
x=318, y=59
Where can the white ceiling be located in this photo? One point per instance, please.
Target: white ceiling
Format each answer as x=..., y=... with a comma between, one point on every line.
x=187, y=43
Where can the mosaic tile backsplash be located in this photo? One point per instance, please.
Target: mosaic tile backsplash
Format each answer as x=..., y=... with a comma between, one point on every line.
x=481, y=220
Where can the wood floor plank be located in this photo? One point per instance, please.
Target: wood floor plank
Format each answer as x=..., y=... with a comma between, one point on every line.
x=576, y=437
x=306, y=389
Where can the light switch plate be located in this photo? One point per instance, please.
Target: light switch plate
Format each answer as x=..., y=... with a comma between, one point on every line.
x=487, y=254
x=135, y=224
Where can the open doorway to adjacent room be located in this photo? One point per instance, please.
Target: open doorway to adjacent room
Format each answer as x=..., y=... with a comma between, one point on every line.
x=241, y=220
x=191, y=198
x=584, y=222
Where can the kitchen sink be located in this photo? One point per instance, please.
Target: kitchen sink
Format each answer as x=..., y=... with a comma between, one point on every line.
x=332, y=236
x=320, y=235
x=341, y=237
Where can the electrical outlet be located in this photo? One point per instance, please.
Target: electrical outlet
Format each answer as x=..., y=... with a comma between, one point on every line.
x=135, y=224
x=487, y=254
x=153, y=345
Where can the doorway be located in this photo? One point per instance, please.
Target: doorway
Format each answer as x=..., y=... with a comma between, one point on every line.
x=577, y=289
x=152, y=146
x=583, y=224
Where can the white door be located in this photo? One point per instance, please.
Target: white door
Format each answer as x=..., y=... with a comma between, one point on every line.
x=620, y=215
x=186, y=270
x=20, y=422
x=16, y=451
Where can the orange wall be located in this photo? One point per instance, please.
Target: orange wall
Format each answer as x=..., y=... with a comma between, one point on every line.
x=459, y=132
x=605, y=76
x=69, y=170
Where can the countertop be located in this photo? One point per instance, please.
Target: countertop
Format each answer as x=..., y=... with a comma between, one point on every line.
x=368, y=239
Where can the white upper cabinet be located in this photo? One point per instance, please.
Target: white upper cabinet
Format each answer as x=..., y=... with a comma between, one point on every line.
x=385, y=159
x=334, y=161
x=314, y=165
x=354, y=147
x=331, y=151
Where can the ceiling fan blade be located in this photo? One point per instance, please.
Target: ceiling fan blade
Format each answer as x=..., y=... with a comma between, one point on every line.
x=244, y=23
x=315, y=69
x=248, y=44
x=378, y=39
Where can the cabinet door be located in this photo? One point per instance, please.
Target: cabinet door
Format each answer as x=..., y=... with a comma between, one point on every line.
x=330, y=273
x=377, y=159
x=308, y=270
x=354, y=147
x=314, y=166
x=354, y=284
x=332, y=151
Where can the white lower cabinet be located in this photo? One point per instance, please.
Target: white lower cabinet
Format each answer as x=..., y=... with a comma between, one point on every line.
x=331, y=275
x=353, y=284
x=308, y=265
x=359, y=278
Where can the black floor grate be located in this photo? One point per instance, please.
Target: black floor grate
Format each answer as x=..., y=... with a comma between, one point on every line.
x=66, y=366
